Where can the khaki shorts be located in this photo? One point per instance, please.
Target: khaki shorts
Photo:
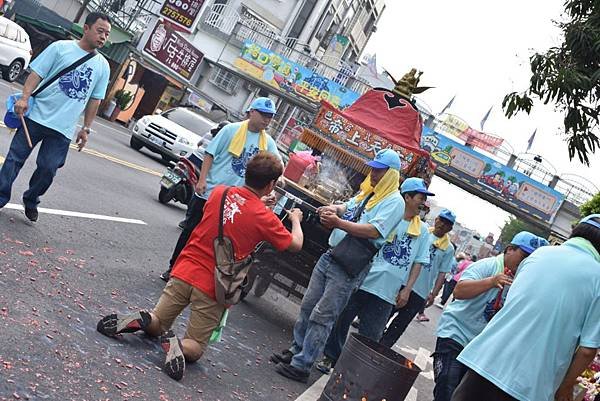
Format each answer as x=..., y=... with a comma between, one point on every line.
x=205, y=313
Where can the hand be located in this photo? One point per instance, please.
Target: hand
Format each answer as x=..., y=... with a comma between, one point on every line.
x=330, y=219
x=327, y=209
x=501, y=280
x=201, y=186
x=81, y=141
x=430, y=300
x=402, y=298
x=564, y=393
x=295, y=214
x=21, y=106
x=269, y=200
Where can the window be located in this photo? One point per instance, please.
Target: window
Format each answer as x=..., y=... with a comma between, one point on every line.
x=11, y=33
x=224, y=80
x=188, y=120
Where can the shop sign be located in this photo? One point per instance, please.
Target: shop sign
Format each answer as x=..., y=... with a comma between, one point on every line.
x=488, y=175
x=183, y=13
x=172, y=50
x=290, y=77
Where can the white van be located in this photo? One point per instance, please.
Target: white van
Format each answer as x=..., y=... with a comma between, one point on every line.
x=15, y=49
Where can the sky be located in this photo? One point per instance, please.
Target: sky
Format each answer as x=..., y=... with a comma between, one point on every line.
x=478, y=51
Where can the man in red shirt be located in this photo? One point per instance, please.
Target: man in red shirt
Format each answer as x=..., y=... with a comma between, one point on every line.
x=247, y=222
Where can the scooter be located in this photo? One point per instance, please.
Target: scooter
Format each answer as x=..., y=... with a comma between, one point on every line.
x=178, y=182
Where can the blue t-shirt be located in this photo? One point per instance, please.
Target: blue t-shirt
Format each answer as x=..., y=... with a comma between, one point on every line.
x=227, y=169
x=463, y=319
x=553, y=307
x=440, y=261
x=60, y=105
x=392, y=264
x=384, y=216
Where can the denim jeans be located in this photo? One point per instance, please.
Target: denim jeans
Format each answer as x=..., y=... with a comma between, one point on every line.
x=473, y=387
x=447, y=371
x=326, y=296
x=193, y=216
x=373, y=313
x=405, y=315
x=51, y=156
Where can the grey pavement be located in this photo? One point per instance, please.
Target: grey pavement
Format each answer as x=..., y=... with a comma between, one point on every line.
x=59, y=276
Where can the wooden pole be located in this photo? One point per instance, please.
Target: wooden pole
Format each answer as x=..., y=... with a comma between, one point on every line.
x=26, y=131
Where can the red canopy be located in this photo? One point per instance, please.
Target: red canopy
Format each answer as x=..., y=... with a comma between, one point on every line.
x=388, y=115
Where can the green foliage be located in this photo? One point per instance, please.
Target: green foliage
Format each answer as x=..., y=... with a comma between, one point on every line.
x=512, y=226
x=123, y=98
x=569, y=77
x=591, y=207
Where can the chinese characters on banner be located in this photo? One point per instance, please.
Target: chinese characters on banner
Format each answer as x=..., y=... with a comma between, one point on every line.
x=358, y=140
x=488, y=175
x=173, y=50
x=290, y=77
x=182, y=12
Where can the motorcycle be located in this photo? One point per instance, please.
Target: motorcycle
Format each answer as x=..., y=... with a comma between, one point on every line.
x=178, y=182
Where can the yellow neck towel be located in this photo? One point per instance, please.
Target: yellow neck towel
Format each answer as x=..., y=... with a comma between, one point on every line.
x=386, y=186
x=414, y=228
x=239, y=140
x=441, y=243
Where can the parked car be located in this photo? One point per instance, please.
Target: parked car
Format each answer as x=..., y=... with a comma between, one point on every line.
x=173, y=134
x=15, y=49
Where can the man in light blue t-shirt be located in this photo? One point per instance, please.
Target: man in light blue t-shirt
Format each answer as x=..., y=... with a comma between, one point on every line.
x=370, y=217
x=548, y=331
x=401, y=256
x=55, y=111
x=441, y=256
x=225, y=162
x=479, y=294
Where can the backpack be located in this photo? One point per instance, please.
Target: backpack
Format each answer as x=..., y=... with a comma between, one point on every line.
x=230, y=276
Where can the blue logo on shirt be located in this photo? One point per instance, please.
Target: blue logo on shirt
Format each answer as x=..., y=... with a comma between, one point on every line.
x=397, y=252
x=77, y=83
x=432, y=251
x=238, y=164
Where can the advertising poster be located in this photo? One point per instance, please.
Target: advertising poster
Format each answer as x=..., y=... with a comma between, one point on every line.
x=488, y=175
x=183, y=13
x=289, y=77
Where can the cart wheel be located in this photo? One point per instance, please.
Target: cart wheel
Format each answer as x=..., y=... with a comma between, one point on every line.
x=261, y=286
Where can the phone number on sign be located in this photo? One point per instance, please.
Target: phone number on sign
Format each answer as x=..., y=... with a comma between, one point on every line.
x=176, y=16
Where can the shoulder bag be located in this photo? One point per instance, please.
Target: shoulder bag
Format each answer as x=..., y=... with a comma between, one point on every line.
x=230, y=276
x=354, y=254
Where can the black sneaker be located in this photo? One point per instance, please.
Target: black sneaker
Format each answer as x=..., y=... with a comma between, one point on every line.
x=292, y=373
x=284, y=356
x=325, y=365
x=31, y=213
x=165, y=276
x=174, y=361
x=112, y=325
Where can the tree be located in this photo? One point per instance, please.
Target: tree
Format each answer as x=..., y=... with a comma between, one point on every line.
x=512, y=226
x=569, y=77
x=591, y=207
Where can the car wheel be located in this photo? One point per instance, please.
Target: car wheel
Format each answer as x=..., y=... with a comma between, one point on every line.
x=13, y=71
x=165, y=195
x=136, y=143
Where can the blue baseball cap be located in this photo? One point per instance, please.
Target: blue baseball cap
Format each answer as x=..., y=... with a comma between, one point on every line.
x=447, y=214
x=590, y=220
x=386, y=158
x=415, y=184
x=528, y=242
x=11, y=119
x=264, y=105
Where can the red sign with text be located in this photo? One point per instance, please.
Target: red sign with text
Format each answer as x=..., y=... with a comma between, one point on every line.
x=172, y=50
x=182, y=12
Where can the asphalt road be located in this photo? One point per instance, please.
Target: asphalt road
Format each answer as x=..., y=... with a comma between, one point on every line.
x=59, y=276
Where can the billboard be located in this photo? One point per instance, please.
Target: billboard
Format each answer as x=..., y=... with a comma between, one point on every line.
x=183, y=13
x=492, y=177
x=287, y=76
x=172, y=50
